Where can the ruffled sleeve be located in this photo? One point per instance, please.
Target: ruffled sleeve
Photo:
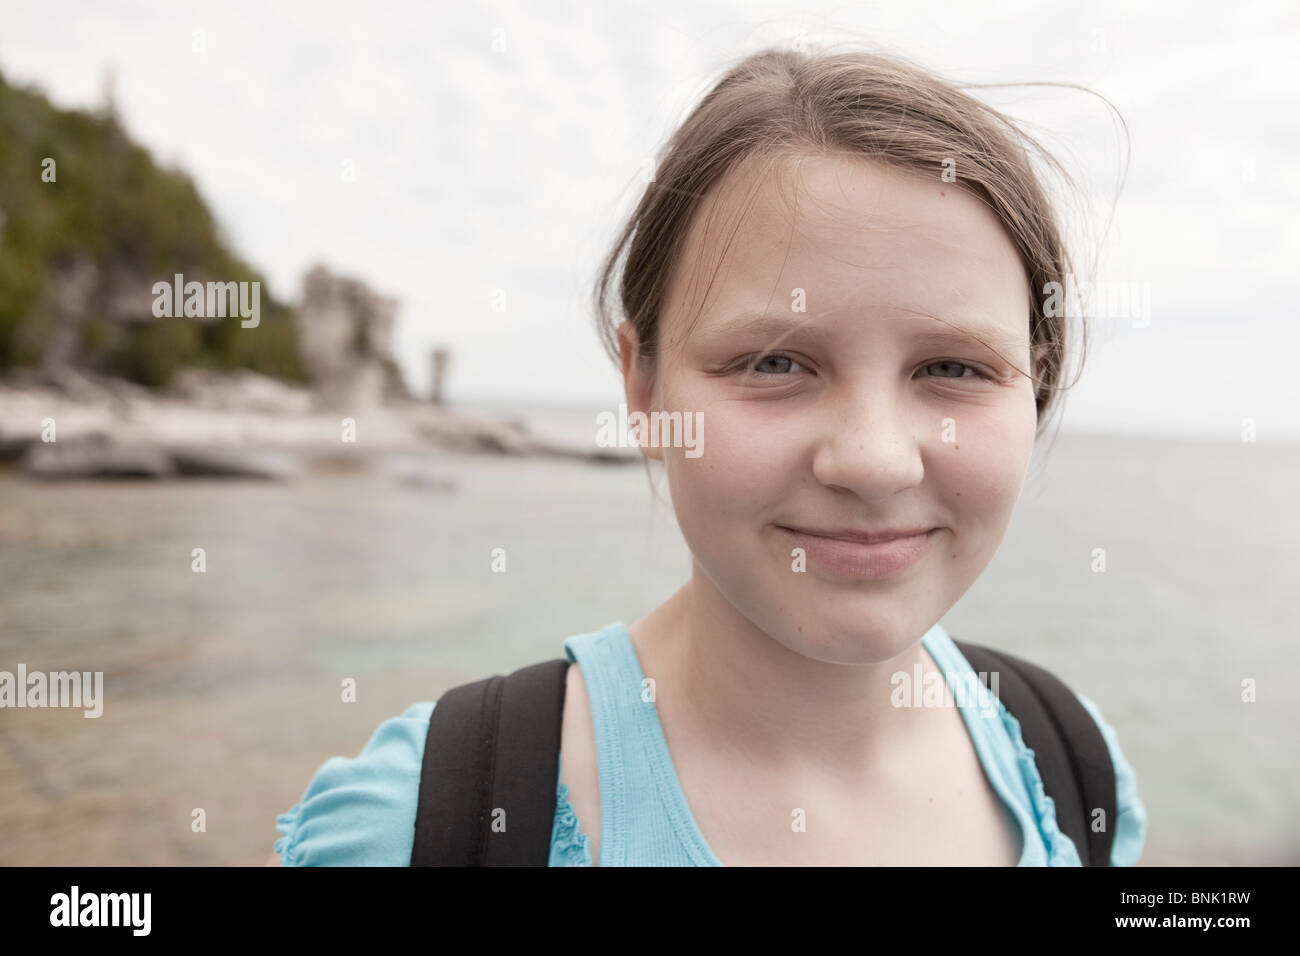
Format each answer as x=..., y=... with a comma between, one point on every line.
x=1060, y=849
x=569, y=845
x=360, y=811
x=1130, y=813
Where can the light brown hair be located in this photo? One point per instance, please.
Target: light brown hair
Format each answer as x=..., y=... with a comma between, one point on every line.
x=782, y=102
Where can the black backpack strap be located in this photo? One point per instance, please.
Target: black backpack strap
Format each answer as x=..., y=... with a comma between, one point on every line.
x=493, y=745
x=1069, y=750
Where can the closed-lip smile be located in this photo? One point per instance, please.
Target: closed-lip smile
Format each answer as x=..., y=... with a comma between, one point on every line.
x=861, y=555
x=862, y=537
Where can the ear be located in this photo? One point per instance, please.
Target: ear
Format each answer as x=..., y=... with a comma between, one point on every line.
x=638, y=386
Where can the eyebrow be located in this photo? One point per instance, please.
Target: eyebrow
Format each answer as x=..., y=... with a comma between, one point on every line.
x=778, y=326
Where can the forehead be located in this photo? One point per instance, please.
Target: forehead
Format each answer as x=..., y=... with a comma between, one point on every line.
x=858, y=238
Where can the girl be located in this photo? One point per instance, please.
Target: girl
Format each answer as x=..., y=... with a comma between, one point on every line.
x=841, y=268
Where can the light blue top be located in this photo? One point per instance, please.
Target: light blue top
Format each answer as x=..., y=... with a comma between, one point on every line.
x=361, y=811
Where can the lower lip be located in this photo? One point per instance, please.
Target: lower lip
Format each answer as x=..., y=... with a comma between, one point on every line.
x=855, y=559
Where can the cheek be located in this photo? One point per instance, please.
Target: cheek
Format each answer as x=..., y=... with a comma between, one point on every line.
x=982, y=471
x=734, y=472
x=744, y=469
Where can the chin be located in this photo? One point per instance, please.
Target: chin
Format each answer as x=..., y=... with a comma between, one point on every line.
x=845, y=633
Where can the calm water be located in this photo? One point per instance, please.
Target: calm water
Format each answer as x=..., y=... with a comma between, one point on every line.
x=223, y=688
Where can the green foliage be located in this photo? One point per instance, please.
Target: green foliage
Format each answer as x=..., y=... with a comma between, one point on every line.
x=112, y=206
x=152, y=353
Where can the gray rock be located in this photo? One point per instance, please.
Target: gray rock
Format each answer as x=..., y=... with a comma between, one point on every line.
x=13, y=449
x=95, y=459
x=231, y=463
x=430, y=482
x=240, y=390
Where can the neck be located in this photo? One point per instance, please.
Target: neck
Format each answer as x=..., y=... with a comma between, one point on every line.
x=724, y=679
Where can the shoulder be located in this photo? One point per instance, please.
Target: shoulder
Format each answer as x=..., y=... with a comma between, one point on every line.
x=360, y=811
x=1130, y=824
x=1131, y=814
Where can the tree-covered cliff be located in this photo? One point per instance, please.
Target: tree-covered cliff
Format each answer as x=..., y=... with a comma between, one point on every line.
x=88, y=223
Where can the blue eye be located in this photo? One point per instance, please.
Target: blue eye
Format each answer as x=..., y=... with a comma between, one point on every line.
x=777, y=365
x=979, y=373
x=783, y=364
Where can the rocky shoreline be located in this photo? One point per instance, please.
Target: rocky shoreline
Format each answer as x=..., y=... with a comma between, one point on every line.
x=235, y=425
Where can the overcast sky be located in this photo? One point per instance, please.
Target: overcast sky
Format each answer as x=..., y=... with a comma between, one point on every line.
x=498, y=145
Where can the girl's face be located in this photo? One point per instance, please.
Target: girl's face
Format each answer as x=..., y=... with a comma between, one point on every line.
x=869, y=412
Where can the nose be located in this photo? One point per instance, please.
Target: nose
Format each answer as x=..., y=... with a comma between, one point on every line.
x=868, y=444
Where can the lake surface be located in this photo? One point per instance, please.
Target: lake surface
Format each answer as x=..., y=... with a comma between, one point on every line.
x=223, y=687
